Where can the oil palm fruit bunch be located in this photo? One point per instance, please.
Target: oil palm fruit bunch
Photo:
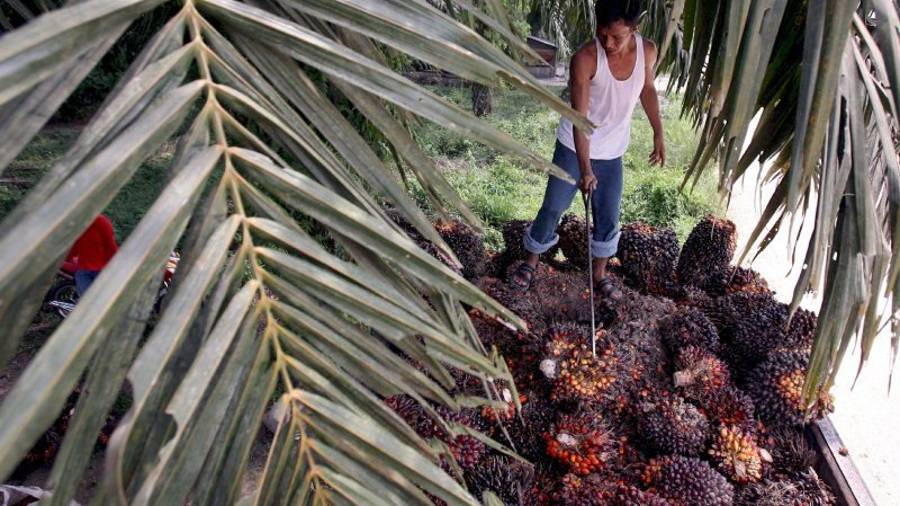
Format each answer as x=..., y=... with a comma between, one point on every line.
x=804, y=489
x=757, y=325
x=577, y=490
x=517, y=302
x=412, y=413
x=45, y=449
x=543, y=488
x=791, y=451
x=467, y=244
x=737, y=454
x=508, y=478
x=730, y=406
x=576, y=373
x=513, y=232
x=649, y=256
x=492, y=332
x=776, y=386
x=687, y=481
x=467, y=451
x=527, y=436
x=671, y=425
x=414, y=234
x=700, y=374
x=737, y=279
x=582, y=443
x=593, y=491
x=802, y=329
x=573, y=241
x=628, y=495
x=708, y=250
x=507, y=412
x=689, y=327
x=691, y=296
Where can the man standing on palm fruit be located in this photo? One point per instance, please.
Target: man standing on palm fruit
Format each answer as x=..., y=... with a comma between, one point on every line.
x=607, y=77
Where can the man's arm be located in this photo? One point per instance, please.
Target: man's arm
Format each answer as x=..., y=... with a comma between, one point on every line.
x=582, y=69
x=650, y=103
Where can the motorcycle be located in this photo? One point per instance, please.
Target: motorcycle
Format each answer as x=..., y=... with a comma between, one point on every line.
x=63, y=296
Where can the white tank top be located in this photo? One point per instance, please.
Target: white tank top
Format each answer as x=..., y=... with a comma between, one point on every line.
x=611, y=106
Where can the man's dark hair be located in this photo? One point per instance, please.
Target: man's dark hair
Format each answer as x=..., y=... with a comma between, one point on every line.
x=610, y=11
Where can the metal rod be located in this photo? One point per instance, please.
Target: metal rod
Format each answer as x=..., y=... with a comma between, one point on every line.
x=588, y=198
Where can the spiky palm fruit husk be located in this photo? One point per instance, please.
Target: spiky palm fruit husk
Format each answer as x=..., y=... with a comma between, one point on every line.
x=582, y=443
x=707, y=250
x=689, y=327
x=730, y=406
x=699, y=374
x=576, y=373
x=737, y=279
x=573, y=239
x=687, y=481
x=737, y=454
x=513, y=232
x=806, y=489
x=508, y=478
x=791, y=451
x=671, y=425
x=466, y=244
x=649, y=256
x=776, y=386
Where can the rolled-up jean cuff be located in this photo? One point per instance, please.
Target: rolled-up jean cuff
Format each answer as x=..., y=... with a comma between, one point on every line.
x=532, y=246
x=605, y=249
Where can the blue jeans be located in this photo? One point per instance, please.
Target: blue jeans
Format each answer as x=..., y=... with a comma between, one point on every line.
x=84, y=279
x=607, y=202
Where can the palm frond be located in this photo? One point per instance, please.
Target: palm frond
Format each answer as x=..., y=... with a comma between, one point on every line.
x=258, y=306
x=828, y=128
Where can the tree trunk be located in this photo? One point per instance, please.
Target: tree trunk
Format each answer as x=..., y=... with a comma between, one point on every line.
x=482, y=99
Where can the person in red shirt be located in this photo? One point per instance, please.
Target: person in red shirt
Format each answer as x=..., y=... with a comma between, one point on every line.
x=92, y=251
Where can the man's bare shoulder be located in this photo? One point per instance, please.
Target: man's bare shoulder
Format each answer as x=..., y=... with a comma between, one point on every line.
x=584, y=60
x=649, y=48
x=587, y=51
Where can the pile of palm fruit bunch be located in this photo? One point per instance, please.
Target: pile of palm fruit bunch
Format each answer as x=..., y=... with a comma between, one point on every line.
x=688, y=392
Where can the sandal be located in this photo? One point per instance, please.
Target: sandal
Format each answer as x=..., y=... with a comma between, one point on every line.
x=522, y=276
x=608, y=289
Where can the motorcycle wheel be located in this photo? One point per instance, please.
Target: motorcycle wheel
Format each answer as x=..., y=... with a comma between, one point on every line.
x=65, y=292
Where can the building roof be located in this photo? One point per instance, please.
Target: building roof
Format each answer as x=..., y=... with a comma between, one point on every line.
x=538, y=41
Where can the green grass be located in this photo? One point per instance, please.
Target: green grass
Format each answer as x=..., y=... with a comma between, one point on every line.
x=499, y=188
x=126, y=209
